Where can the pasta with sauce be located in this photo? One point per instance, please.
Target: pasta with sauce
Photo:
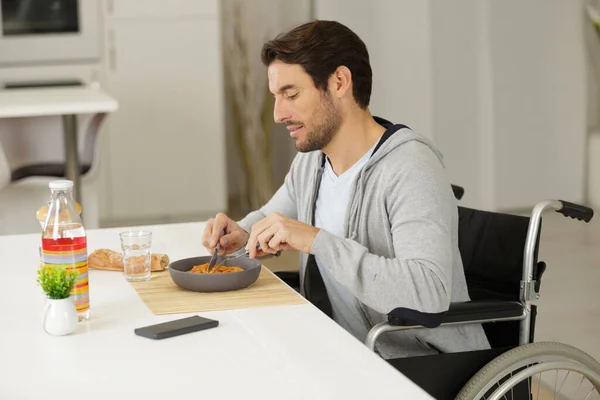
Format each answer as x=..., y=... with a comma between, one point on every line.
x=203, y=269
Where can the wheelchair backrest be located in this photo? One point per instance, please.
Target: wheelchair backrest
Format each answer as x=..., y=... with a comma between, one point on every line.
x=491, y=245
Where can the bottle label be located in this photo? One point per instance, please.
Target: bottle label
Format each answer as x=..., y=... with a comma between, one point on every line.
x=71, y=253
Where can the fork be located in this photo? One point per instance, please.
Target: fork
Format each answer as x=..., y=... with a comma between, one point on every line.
x=236, y=254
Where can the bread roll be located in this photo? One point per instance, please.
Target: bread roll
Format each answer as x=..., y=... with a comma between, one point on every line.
x=113, y=261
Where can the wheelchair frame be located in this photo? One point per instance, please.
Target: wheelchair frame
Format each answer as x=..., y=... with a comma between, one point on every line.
x=498, y=311
x=528, y=296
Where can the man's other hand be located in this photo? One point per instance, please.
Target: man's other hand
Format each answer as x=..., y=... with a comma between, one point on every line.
x=278, y=233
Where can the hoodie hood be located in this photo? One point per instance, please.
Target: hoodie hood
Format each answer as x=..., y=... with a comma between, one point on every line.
x=396, y=135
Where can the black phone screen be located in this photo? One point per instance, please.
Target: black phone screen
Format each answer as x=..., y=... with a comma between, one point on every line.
x=176, y=327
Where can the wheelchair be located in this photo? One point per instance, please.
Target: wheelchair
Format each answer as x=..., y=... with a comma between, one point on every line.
x=499, y=253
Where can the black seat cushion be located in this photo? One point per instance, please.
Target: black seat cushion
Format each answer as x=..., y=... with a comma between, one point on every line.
x=491, y=246
x=292, y=278
x=46, y=169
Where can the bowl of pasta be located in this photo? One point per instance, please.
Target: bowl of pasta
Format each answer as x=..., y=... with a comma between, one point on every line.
x=192, y=274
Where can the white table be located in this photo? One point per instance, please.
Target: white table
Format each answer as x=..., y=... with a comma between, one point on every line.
x=286, y=352
x=61, y=101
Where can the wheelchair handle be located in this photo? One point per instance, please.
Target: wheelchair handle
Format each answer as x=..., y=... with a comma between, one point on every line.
x=567, y=209
x=458, y=191
x=576, y=211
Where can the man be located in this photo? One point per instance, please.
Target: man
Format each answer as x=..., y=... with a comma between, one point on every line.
x=367, y=203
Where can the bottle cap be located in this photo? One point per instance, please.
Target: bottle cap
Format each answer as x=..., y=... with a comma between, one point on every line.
x=62, y=184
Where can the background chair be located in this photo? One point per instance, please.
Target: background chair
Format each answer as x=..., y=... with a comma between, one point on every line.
x=25, y=189
x=4, y=170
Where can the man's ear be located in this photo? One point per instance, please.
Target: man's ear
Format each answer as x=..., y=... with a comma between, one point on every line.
x=340, y=82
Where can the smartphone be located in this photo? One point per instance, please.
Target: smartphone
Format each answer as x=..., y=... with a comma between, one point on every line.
x=177, y=327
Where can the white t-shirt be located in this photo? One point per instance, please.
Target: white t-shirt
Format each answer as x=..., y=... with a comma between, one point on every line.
x=330, y=215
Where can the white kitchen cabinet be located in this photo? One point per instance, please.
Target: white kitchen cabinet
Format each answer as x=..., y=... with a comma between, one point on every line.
x=165, y=153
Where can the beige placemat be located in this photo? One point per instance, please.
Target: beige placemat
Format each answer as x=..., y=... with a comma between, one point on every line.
x=163, y=296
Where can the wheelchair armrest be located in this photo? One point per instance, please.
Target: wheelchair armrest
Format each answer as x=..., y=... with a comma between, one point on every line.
x=469, y=311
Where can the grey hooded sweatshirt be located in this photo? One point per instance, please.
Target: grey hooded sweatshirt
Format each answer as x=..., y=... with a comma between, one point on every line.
x=400, y=252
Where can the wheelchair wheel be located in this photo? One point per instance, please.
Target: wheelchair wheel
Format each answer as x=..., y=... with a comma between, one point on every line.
x=537, y=368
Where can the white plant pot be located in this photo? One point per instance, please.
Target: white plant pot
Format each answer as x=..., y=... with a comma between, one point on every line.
x=60, y=317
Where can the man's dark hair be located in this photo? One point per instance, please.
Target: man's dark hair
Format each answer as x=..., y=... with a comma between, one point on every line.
x=320, y=47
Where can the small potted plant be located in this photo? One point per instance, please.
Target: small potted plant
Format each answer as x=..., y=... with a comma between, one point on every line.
x=60, y=315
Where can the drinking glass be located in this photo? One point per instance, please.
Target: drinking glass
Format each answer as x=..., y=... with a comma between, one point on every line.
x=137, y=253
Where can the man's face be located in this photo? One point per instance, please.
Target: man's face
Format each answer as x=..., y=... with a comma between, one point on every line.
x=309, y=113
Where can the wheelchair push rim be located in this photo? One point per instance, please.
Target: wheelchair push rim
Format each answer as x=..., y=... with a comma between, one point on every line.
x=498, y=378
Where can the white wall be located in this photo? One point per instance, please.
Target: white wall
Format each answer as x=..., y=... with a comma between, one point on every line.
x=539, y=100
x=460, y=99
x=397, y=35
x=499, y=85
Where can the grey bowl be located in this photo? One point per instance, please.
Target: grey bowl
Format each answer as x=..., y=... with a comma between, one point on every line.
x=214, y=282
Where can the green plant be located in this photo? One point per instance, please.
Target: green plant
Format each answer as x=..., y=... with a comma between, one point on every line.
x=57, y=281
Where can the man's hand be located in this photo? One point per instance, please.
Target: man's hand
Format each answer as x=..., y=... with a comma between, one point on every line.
x=233, y=237
x=278, y=232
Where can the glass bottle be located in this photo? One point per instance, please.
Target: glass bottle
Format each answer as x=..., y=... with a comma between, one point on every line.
x=64, y=242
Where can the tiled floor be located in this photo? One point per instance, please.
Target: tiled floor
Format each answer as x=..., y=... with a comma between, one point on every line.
x=569, y=308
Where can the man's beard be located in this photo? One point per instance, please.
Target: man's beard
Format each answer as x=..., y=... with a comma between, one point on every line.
x=326, y=130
